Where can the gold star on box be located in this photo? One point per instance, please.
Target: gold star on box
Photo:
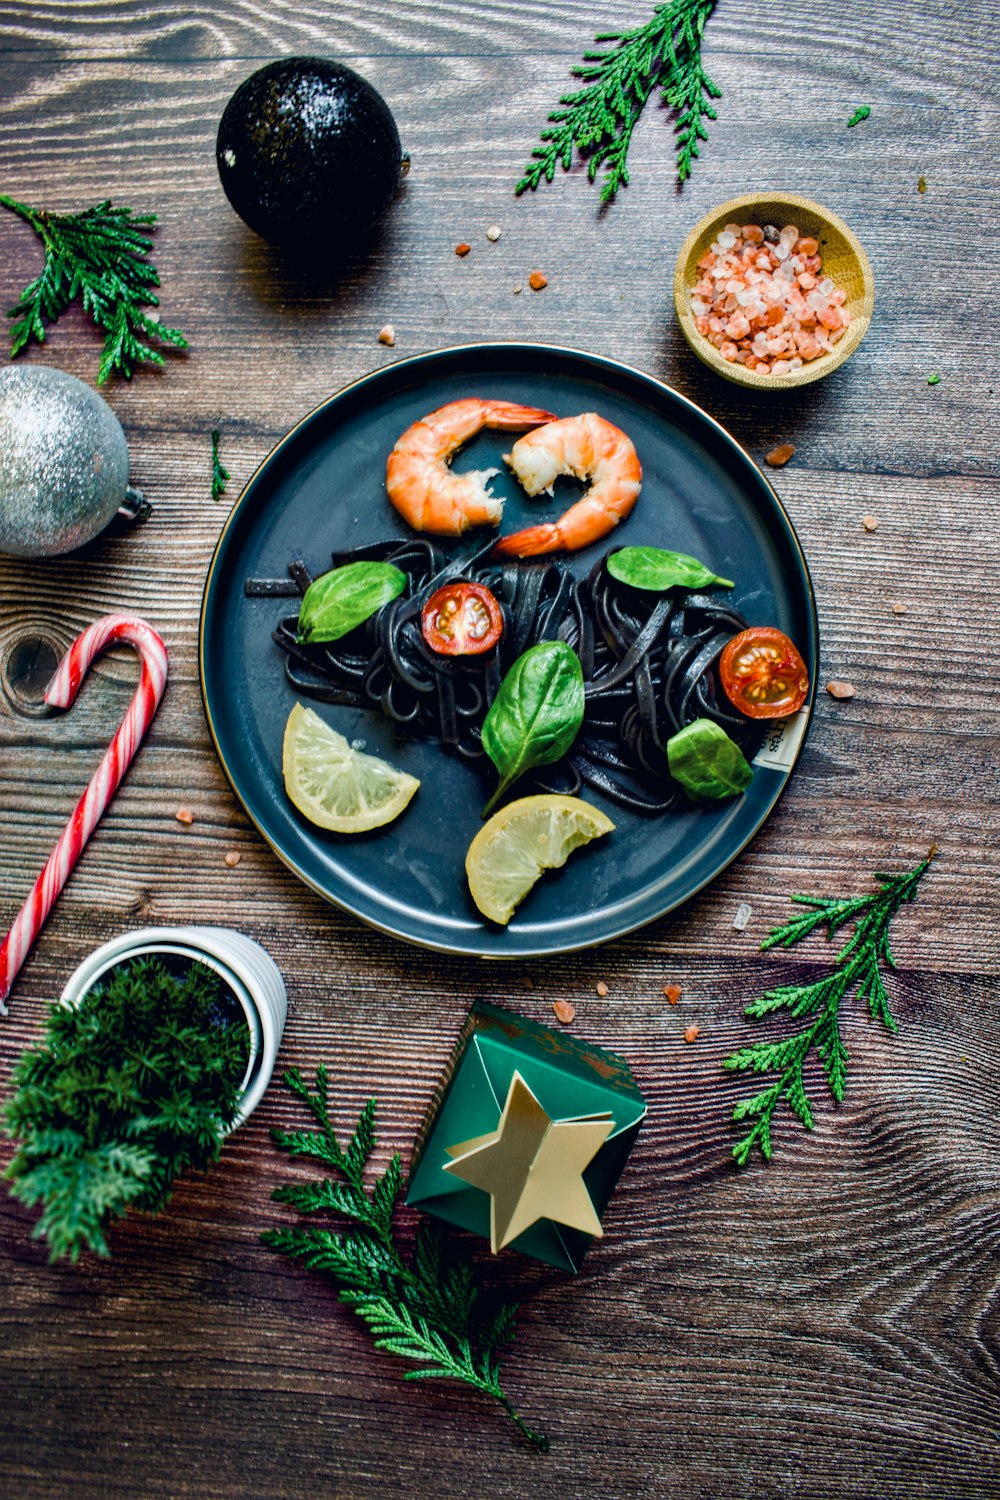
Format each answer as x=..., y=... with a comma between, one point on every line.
x=532, y=1167
x=526, y=1135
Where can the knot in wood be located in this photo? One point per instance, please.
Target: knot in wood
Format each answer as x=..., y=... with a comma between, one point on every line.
x=26, y=668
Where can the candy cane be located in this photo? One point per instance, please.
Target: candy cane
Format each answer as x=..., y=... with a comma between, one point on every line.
x=60, y=693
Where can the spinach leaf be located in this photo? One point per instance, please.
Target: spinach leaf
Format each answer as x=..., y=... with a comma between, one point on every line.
x=706, y=762
x=344, y=598
x=536, y=715
x=654, y=569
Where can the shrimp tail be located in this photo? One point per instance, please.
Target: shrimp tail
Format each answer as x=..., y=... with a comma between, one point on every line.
x=508, y=416
x=533, y=541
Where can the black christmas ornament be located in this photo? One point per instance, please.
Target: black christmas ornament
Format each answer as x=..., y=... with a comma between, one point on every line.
x=308, y=152
x=63, y=463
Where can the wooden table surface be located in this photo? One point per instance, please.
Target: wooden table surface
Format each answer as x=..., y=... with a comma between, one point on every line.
x=825, y=1326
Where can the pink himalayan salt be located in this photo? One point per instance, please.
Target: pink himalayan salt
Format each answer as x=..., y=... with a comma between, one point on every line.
x=760, y=299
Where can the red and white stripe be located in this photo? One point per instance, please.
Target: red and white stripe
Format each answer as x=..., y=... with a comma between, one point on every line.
x=60, y=693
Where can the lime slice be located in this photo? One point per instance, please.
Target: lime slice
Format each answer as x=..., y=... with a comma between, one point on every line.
x=335, y=786
x=524, y=838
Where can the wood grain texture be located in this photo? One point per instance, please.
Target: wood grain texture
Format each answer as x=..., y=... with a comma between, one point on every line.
x=826, y=1327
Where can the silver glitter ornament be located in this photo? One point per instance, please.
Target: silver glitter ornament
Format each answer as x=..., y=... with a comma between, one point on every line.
x=63, y=462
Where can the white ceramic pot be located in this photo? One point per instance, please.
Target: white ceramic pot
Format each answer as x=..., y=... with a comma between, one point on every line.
x=250, y=973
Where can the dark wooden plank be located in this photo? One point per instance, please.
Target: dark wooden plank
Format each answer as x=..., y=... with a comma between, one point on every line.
x=827, y=1326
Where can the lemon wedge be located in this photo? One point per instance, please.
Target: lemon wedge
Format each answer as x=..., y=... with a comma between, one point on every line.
x=335, y=786
x=533, y=834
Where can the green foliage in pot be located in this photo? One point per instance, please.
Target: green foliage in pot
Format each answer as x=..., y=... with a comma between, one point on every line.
x=130, y=1088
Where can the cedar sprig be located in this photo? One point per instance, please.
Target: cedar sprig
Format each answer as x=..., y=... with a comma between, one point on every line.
x=426, y=1308
x=859, y=963
x=98, y=256
x=220, y=476
x=599, y=119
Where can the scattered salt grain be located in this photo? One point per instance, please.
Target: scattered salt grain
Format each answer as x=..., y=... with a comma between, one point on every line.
x=838, y=689
x=387, y=335
x=493, y=233
x=184, y=815
x=743, y=914
x=691, y=1034
x=869, y=523
x=233, y=858
x=601, y=988
x=897, y=608
x=564, y=1011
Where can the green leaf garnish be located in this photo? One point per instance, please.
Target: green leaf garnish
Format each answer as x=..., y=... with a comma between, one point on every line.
x=861, y=113
x=657, y=570
x=346, y=597
x=426, y=1309
x=220, y=476
x=706, y=762
x=536, y=715
x=857, y=963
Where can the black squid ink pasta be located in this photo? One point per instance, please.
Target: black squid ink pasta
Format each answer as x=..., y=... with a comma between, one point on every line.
x=648, y=659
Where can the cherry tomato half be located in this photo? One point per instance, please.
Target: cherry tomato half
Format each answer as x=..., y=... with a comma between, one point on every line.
x=763, y=674
x=461, y=619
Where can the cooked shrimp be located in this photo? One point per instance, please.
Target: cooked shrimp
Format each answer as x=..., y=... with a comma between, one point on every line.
x=422, y=487
x=587, y=447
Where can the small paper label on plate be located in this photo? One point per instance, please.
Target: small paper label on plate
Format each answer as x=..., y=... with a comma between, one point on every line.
x=782, y=742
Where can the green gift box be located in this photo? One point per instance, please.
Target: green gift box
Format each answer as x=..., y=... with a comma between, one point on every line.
x=526, y=1119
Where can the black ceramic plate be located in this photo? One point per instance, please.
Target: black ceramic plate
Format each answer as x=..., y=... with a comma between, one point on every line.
x=323, y=488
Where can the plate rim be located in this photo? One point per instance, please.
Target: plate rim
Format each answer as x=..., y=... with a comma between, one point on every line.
x=601, y=361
